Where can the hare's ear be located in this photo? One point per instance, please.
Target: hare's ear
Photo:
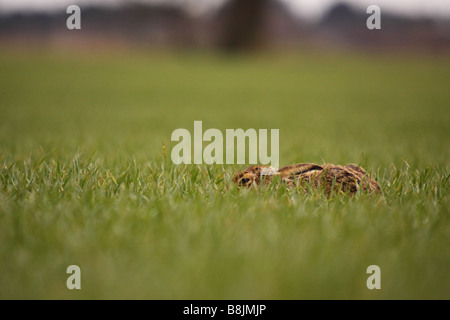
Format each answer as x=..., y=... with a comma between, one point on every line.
x=298, y=169
x=268, y=171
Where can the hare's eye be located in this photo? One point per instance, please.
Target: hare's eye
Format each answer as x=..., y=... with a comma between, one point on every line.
x=244, y=181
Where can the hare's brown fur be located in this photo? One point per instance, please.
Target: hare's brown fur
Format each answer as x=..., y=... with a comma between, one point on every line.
x=328, y=177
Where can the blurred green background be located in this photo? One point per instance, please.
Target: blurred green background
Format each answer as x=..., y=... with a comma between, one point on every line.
x=337, y=108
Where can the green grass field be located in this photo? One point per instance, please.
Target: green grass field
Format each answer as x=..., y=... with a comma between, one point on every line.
x=84, y=179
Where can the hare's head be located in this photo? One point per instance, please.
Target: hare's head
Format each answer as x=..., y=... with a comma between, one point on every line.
x=252, y=175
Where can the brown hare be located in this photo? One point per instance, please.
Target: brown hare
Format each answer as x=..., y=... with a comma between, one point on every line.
x=328, y=177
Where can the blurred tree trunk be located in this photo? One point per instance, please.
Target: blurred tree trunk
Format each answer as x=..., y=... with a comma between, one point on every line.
x=242, y=25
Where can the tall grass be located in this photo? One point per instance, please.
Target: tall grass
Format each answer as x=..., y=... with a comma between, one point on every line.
x=84, y=179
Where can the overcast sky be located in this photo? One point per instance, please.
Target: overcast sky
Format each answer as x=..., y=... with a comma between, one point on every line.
x=306, y=8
